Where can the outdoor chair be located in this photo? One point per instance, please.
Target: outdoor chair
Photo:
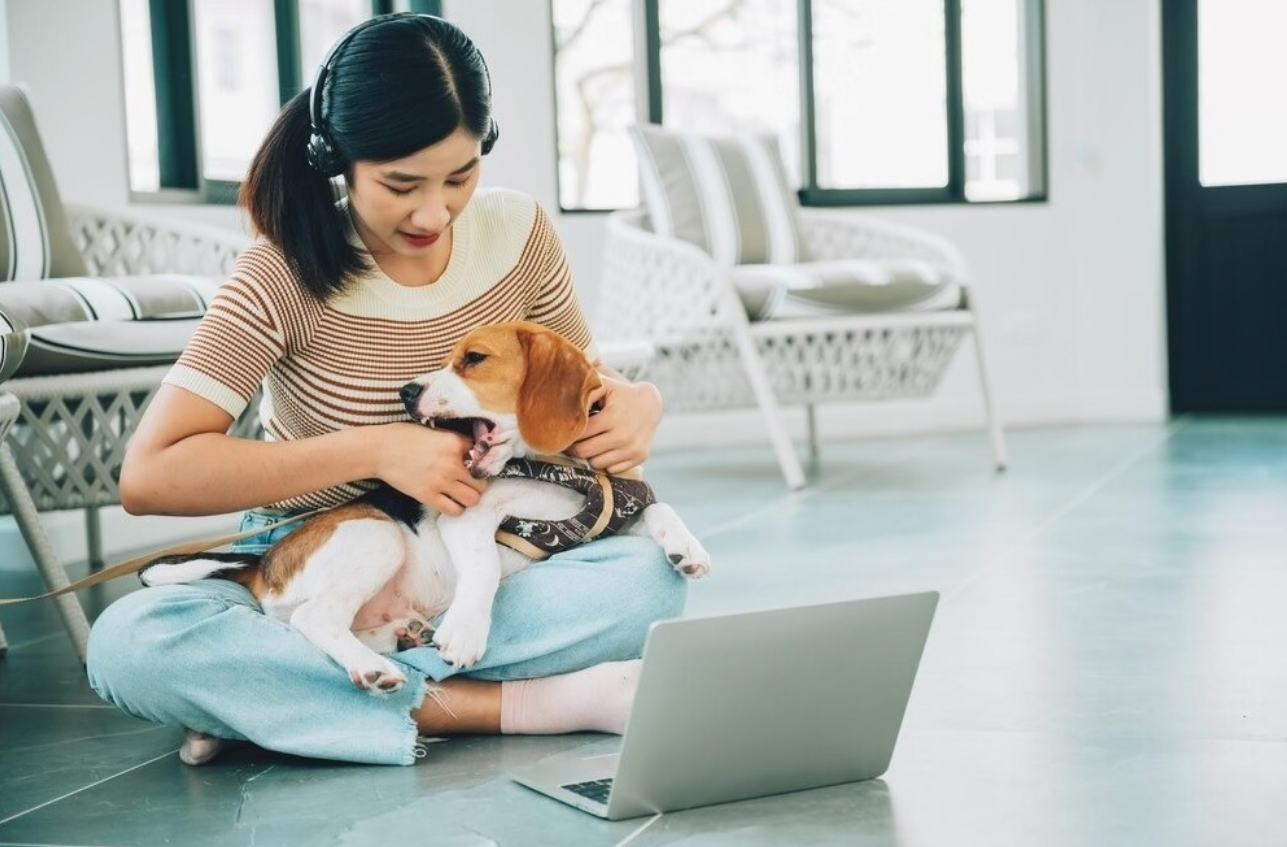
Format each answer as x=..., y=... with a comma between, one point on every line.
x=749, y=300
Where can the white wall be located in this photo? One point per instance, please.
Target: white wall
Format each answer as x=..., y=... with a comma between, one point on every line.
x=1072, y=287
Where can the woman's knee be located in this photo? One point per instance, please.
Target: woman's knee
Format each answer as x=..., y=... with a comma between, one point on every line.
x=637, y=574
x=143, y=637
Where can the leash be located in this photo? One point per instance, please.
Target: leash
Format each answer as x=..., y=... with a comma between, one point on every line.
x=137, y=563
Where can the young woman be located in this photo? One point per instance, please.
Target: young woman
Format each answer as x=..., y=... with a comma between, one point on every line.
x=331, y=311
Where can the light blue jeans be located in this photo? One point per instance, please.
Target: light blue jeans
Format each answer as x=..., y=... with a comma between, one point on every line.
x=204, y=656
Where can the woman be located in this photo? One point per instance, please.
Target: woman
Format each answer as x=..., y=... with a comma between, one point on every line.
x=334, y=308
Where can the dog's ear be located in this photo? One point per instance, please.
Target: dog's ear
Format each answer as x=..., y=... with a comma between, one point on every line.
x=554, y=399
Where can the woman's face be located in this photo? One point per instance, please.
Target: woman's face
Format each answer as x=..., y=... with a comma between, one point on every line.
x=403, y=209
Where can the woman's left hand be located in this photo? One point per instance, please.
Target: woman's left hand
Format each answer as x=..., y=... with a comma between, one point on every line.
x=619, y=437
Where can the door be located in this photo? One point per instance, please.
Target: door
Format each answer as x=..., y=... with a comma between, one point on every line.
x=1224, y=73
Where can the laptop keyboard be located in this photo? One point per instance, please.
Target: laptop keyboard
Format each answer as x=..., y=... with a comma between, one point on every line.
x=594, y=789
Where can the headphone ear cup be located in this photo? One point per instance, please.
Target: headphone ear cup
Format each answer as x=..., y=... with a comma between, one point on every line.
x=322, y=156
x=489, y=141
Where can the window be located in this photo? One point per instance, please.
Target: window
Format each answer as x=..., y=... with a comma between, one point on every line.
x=872, y=101
x=204, y=80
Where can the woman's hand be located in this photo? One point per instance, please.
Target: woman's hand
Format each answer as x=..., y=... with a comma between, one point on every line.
x=619, y=437
x=429, y=465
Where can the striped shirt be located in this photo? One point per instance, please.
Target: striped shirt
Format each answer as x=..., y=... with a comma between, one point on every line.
x=325, y=366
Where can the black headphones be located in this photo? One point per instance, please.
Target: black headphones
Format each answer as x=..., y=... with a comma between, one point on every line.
x=322, y=154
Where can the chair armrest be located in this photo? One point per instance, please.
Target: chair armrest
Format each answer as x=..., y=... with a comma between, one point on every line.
x=658, y=288
x=123, y=242
x=835, y=234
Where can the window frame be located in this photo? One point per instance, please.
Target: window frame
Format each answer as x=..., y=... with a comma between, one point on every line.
x=174, y=72
x=650, y=99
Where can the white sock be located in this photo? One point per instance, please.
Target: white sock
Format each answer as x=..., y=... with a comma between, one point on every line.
x=596, y=699
x=199, y=748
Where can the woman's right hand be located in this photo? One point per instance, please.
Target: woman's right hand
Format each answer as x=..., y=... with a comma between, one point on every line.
x=428, y=465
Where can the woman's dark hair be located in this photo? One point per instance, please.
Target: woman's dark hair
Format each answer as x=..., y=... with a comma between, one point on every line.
x=390, y=88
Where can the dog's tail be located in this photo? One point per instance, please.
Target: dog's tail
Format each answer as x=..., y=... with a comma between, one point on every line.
x=173, y=570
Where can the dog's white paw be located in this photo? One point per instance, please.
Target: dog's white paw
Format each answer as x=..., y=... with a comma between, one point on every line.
x=462, y=638
x=685, y=552
x=690, y=559
x=377, y=675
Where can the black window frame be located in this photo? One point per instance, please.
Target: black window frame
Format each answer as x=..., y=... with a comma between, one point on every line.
x=174, y=72
x=650, y=98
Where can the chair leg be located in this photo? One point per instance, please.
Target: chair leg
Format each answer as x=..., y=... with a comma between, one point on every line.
x=811, y=419
x=33, y=533
x=763, y=390
x=995, y=431
x=94, y=537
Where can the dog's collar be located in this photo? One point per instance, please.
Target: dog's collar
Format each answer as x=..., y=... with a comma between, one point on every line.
x=610, y=501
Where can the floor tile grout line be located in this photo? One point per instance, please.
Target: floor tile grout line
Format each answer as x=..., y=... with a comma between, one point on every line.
x=30, y=641
x=1004, y=558
x=87, y=787
x=810, y=491
x=57, y=706
x=632, y=836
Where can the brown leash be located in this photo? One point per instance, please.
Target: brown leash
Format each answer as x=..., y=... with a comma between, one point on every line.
x=137, y=563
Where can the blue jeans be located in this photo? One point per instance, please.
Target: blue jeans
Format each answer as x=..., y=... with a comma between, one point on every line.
x=204, y=656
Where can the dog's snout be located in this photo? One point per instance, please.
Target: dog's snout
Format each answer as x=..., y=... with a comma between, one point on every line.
x=411, y=392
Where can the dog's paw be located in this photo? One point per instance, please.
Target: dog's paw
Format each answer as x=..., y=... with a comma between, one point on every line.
x=415, y=633
x=378, y=676
x=462, y=639
x=685, y=552
x=695, y=563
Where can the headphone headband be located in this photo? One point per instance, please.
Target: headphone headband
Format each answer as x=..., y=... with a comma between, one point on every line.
x=322, y=154
x=324, y=69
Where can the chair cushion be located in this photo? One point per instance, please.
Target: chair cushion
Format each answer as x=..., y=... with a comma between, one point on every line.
x=35, y=241
x=84, y=346
x=839, y=286
x=729, y=196
x=88, y=323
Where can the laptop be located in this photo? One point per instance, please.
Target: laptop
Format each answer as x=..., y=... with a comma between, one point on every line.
x=744, y=705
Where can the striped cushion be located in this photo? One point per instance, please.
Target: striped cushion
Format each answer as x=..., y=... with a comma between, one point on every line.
x=95, y=346
x=35, y=241
x=729, y=196
x=844, y=286
x=88, y=323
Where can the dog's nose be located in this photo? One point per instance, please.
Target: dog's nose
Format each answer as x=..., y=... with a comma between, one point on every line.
x=410, y=392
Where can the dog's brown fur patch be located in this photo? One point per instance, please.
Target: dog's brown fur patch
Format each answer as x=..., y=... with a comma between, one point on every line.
x=285, y=559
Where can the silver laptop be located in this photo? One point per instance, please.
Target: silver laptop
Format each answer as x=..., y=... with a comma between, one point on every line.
x=745, y=705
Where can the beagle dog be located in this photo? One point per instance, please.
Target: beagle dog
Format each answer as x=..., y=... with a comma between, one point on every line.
x=364, y=578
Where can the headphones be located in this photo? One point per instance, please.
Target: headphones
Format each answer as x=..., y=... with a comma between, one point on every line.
x=322, y=154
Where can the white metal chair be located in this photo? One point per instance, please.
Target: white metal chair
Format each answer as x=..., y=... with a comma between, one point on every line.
x=709, y=355
x=96, y=306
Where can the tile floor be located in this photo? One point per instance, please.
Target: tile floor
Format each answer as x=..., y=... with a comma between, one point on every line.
x=1107, y=667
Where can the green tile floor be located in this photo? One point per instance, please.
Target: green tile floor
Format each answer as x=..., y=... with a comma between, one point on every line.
x=1107, y=666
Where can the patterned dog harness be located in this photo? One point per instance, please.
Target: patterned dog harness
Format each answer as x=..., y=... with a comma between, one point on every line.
x=610, y=501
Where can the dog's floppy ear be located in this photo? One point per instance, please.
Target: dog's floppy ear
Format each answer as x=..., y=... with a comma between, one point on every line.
x=554, y=399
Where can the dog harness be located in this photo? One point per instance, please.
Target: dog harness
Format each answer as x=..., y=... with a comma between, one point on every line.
x=610, y=501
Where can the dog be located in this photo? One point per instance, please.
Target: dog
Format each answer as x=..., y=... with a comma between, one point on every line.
x=364, y=578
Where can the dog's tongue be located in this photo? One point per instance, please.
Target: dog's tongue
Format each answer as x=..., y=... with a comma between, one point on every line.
x=482, y=443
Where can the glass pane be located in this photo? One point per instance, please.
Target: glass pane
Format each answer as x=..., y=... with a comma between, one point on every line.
x=140, y=96
x=1242, y=125
x=595, y=101
x=321, y=23
x=236, y=56
x=1001, y=133
x=733, y=67
x=880, y=93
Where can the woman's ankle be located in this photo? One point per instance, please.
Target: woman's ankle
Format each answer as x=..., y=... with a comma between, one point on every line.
x=459, y=706
x=596, y=699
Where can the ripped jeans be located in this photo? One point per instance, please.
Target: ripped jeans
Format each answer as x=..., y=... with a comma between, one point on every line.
x=204, y=656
